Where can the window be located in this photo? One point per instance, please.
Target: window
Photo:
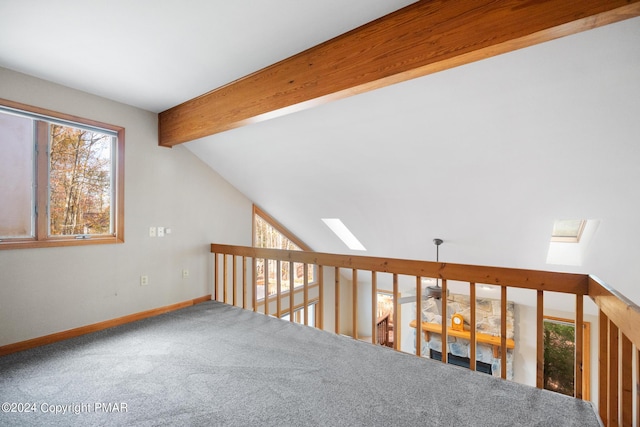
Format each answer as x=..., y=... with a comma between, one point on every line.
x=298, y=315
x=567, y=230
x=559, y=356
x=61, y=179
x=268, y=233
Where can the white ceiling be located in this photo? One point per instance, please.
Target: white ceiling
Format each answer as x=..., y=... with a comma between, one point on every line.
x=155, y=54
x=485, y=155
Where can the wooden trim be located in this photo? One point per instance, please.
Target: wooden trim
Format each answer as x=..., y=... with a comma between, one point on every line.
x=234, y=279
x=354, y=303
x=297, y=291
x=540, y=340
x=41, y=232
x=374, y=307
x=627, y=381
x=224, y=278
x=418, y=316
x=396, y=318
x=312, y=301
x=503, y=332
x=244, y=282
x=278, y=288
x=443, y=326
x=215, y=276
x=472, y=326
x=619, y=309
x=275, y=224
x=337, y=301
x=526, y=279
x=266, y=287
x=42, y=181
x=292, y=296
x=613, y=374
x=586, y=352
x=637, y=382
x=95, y=327
x=603, y=367
x=586, y=361
x=320, y=311
x=254, y=285
x=420, y=39
x=579, y=348
x=305, y=298
x=436, y=328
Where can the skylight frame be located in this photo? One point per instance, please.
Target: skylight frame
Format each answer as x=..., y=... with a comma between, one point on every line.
x=573, y=237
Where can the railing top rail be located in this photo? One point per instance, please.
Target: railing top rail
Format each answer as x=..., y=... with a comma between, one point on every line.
x=577, y=284
x=619, y=309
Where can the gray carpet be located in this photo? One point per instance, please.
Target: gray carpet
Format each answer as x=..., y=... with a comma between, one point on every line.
x=213, y=364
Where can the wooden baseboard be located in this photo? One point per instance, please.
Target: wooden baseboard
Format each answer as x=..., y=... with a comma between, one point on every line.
x=82, y=330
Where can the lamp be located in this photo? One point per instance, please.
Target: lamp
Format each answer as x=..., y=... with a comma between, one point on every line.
x=431, y=291
x=435, y=291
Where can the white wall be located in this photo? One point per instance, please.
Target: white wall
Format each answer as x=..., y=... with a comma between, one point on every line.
x=48, y=290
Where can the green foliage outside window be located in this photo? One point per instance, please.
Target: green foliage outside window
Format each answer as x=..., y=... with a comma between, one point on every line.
x=559, y=357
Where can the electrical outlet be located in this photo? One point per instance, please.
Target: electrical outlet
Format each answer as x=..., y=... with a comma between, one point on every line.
x=185, y=273
x=144, y=280
x=152, y=232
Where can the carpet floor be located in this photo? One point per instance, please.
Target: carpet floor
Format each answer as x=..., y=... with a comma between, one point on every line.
x=213, y=364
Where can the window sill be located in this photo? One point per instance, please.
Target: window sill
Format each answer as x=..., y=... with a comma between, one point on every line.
x=30, y=244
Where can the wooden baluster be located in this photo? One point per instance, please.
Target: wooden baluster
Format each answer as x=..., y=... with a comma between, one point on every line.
x=579, y=351
x=627, y=381
x=637, y=386
x=254, y=287
x=234, y=279
x=472, y=327
x=266, y=287
x=224, y=278
x=354, y=298
x=291, y=292
x=503, y=333
x=374, y=308
x=613, y=374
x=396, y=341
x=305, y=281
x=540, y=340
x=244, y=282
x=603, y=367
x=418, y=316
x=337, y=301
x=445, y=321
x=320, y=313
x=278, y=289
x=215, y=276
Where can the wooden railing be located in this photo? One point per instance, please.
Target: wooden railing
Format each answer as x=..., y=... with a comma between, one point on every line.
x=619, y=318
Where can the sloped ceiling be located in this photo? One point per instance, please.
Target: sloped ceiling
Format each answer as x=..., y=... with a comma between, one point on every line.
x=485, y=155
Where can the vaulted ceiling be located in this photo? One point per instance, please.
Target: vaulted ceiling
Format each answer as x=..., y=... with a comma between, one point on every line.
x=485, y=155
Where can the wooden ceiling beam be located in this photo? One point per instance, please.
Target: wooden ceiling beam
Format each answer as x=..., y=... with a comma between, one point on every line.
x=422, y=38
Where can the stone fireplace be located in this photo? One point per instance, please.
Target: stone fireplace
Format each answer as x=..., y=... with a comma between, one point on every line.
x=487, y=322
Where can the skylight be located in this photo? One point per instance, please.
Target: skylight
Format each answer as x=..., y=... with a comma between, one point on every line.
x=570, y=241
x=567, y=230
x=341, y=230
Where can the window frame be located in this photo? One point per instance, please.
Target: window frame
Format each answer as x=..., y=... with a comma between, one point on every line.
x=275, y=224
x=289, y=235
x=572, y=238
x=41, y=236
